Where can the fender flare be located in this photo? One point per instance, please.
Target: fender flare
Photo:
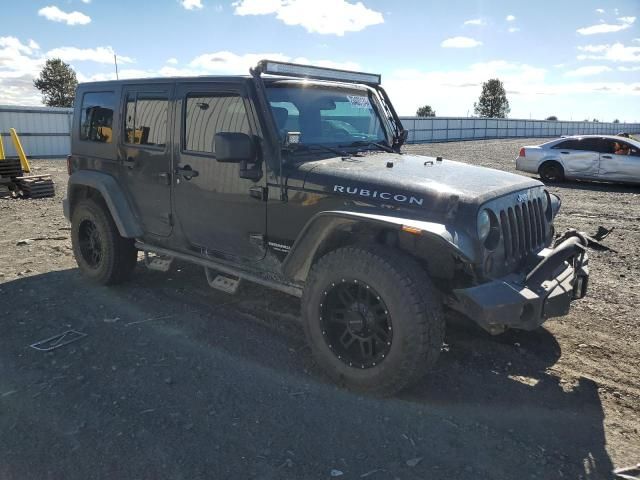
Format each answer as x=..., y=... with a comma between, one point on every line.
x=320, y=227
x=113, y=196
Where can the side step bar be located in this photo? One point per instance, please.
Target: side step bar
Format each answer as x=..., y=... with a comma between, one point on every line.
x=288, y=288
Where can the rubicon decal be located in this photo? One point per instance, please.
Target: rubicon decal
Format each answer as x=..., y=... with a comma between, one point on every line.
x=362, y=192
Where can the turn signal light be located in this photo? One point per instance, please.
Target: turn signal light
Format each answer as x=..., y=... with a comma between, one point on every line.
x=412, y=230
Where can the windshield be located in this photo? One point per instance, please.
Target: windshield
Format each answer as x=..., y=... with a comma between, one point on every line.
x=327, y=116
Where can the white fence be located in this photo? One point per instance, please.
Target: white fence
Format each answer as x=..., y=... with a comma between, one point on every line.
x=449, y=129
x=43, y=131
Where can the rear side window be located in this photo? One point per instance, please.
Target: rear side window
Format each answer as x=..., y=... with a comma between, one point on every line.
x=206, y=115
x=146, y=119
x=96, y=118
x=587, y=144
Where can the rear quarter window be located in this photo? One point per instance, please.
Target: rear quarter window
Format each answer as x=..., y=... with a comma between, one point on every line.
x=96, y=117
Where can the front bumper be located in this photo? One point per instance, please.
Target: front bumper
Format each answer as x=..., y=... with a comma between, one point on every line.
x=525, y=300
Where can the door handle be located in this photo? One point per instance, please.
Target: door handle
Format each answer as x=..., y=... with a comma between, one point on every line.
x=129, y=162
x=607, y=156
x=187, y=172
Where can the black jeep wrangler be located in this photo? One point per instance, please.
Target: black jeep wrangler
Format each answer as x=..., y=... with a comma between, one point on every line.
x=293, y=177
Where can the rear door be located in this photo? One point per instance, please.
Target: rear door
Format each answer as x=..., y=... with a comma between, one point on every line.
x=580, y=157
x=145, y=154
x=620, y=168
x=219, y=212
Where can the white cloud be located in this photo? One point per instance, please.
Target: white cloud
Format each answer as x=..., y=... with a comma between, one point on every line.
x=98, y=54
x=475, y=21
x=86, y=1
x=172, y=61
x=625, y=22
x=510, y=18
x=587, y=71
x=614, y=53
x=191, y=4
x=54, y=14
x=528, y=88
x=460, y=42
x=12, y=43
x=327, y=17
x=513, y=29
x=599, y=10
x=33, y=45
x=630, y=69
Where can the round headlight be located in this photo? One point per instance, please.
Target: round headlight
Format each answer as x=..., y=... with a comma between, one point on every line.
x=484, y=225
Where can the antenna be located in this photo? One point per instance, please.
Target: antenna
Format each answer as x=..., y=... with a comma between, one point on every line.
x=115, y=61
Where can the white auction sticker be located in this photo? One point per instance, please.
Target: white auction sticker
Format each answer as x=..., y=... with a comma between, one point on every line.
x=359, y=102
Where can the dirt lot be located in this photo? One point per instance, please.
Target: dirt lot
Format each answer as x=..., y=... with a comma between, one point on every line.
x=175, y=380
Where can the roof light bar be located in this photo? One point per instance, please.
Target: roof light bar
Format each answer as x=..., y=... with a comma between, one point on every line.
x=306, y=71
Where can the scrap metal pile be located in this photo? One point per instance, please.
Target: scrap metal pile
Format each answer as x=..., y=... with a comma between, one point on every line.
x=14, y=183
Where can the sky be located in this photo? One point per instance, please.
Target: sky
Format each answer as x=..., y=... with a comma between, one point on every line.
x=575, y=59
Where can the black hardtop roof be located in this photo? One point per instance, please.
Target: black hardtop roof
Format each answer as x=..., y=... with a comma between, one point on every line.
x=266, y=78
x=156, y=80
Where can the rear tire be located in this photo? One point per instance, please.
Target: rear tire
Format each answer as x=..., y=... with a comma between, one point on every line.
x=372, y=318
x=551, y=172
x=102, y=254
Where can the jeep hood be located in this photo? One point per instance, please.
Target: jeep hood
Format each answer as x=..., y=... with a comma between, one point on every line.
x=416, y=175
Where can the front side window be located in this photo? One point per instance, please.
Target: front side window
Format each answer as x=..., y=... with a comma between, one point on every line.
x=206, y=115
x=96, y=119
x=331, y=116
x=146, y=119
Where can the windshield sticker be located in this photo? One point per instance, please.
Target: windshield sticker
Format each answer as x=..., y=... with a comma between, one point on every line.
x=359, y=102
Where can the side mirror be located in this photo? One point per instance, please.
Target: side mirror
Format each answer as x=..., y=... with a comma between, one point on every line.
x=233, y=147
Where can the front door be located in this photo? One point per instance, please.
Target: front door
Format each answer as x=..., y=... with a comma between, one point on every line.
x=623, y=166
x=145, y=155
x=580, y=157
x=219, y=213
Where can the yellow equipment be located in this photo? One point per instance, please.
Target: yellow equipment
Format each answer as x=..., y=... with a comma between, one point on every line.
x=23, y=158
x=1, y=148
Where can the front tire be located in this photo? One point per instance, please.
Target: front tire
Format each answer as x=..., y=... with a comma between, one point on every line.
x=102, y=254
x=372, y=318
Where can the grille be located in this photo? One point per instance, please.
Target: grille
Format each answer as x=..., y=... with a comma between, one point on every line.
x=523, y=229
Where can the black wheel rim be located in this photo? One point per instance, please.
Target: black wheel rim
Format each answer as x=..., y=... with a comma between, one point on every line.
x=356, y=324
x=552, y=174
x=90, y=243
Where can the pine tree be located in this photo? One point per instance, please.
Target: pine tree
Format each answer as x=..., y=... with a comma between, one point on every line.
x=493, y=101
x=57, y=82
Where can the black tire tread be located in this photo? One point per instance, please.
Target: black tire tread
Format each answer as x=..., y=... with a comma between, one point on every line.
x=428, y=325
x=121, y=252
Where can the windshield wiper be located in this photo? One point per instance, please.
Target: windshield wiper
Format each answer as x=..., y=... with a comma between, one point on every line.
x=366, y=143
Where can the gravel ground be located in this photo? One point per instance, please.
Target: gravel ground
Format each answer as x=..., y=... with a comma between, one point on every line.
x=175, y=380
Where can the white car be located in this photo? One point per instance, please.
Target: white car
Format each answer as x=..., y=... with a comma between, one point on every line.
x=583, y=157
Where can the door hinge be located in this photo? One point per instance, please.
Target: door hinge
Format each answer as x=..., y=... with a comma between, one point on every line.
x=167, y=218
x=260, y=193
x=257, y=239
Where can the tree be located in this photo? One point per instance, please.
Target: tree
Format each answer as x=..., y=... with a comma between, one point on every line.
x=553, y=117
x=493, y=101
x=616, y=121
x=57, y=82
x=595, y=120
x=426, y=111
